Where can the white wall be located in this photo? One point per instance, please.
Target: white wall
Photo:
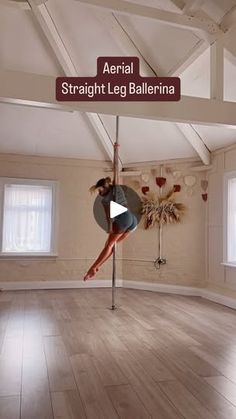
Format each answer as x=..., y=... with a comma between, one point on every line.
x=80, y=239
x=183, y=244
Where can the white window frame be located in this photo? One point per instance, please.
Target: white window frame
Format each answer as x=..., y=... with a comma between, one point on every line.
x=54, y=230
x=227, y=177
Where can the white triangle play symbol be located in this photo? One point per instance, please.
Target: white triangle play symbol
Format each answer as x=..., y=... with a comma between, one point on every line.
x=116, y=209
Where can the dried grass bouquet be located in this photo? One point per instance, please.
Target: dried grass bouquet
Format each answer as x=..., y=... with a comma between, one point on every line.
x=161, y=209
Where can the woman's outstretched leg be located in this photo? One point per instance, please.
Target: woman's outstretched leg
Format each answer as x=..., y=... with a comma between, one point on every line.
x=104, y=255
x=122, y=237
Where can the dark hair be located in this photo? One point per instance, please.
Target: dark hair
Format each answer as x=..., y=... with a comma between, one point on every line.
x=101, y=183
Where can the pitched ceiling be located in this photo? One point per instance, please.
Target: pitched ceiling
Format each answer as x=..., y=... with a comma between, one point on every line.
x=86, y=35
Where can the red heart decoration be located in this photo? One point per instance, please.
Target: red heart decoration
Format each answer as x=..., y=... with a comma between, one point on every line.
x=204, y=197
x=160, y=181
x=177, y=188
x=145, y=189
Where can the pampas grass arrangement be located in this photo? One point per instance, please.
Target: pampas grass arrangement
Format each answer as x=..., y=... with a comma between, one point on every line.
x=161, y=209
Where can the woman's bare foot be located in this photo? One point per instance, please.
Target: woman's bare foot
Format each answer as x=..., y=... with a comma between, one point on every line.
x=91, y=272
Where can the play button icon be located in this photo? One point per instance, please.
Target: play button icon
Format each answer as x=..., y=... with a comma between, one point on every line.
x=134, y=206
x=116, y=209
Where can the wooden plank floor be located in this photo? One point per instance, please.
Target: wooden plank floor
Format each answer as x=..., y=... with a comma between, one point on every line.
x=64, y=354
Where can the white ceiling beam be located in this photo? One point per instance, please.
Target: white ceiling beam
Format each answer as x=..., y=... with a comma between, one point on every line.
x=191, y=6
x=196, y=141
x=54, y=39
x=209, y=29
x=179, y=4
x=22, y=4
x=229, y=19
x=38, y=90
x=224, y=46
x=230, y=44
x=128, y=46
x=201, y=168
x=125, y=42
x=192, y=110
x=193, y=54
x=217, y=70
x=50, y=32
x=227, y=25
x=216, y=49
x=230, y=57
x=97, y=123
x=35, y=104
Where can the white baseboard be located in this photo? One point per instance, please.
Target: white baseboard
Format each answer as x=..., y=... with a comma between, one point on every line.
x=219, y=298
x=166, y=288
x=50, y=285
x=182, y=290
x=106, y=283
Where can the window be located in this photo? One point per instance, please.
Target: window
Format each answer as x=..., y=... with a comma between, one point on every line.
x=28, y=216
x=230, y=218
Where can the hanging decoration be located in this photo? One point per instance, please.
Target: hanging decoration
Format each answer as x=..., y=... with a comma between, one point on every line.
x=204, y=185
x=189, y=181
x=145, y=177
x=161, y=210
x=177, y=188
x=176, y=174
x=160, y=181
x=145, y=189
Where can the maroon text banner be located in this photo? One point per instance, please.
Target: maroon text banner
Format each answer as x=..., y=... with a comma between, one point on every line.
x=117, y=79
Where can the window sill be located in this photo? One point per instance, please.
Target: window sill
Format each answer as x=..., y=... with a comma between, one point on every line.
x=229, y=264
x=28, y=255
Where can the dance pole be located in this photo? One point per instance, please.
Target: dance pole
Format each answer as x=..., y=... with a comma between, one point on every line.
x=160, y=225
x=115, y=182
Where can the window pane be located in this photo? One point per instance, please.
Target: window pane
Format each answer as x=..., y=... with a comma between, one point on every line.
x=231, y=256
x=27, y=219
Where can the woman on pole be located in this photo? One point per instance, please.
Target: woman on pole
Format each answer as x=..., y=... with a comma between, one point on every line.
x=119, y=227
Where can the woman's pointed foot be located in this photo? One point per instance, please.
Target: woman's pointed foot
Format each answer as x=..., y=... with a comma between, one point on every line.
x=91, y=272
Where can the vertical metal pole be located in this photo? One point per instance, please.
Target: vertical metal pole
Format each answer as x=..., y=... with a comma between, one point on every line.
x=113, y=305
x=115, y=182
x=160, y=241
x=160, y=226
